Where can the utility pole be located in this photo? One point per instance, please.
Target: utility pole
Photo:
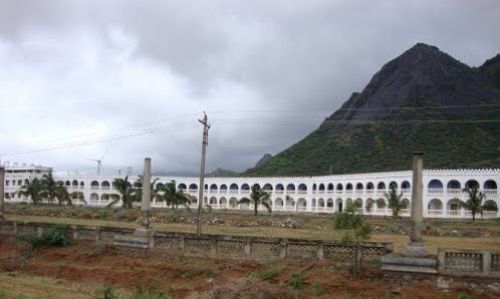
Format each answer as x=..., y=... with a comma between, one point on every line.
x=204, y=144
x=2, y=190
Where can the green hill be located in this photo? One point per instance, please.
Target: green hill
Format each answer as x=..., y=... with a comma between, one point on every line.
x=423, y=100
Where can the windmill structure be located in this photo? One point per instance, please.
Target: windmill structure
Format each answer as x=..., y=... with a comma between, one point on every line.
x=99, y=162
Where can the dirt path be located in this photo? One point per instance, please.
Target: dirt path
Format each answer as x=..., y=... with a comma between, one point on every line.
x=181, y=277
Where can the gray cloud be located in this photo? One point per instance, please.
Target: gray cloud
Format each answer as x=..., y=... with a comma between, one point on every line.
x=100, y=69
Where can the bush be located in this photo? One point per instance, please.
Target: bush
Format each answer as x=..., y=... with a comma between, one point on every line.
x=56, y=236
x=296, y=282
x=318, y=289
x=102, y=214
x=268, y=273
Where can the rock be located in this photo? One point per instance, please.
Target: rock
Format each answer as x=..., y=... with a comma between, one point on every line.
x=289, y=223
x=443, y=283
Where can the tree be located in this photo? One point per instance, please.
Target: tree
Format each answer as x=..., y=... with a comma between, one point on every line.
x=78, y=195
x=32, y=188
x=62, y=194
x=126, y=191
x=258, y=197
x=173, y=196
x=50, y=187
x=474, y=202
x=138, y=189
x=394, y=200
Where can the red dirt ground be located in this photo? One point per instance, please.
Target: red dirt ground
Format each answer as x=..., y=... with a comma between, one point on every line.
x=211, y=278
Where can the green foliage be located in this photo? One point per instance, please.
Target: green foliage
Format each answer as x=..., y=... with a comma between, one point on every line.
x=318, y=289
x=296, y=281
x=57, y=235
x=474, y=202
x=102, y=213
x=394, y=200
x=149, y=293
x=463, y=296
x=356, y=229
x=108, y=293
x=268, y=273
x=258, y=197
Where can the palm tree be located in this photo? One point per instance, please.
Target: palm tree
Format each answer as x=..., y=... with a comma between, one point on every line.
x=78, y=195
x=127, y=192
x=62, y=194
x=474, y=202
x=173, y=196
x=257, y=197
x=138, y=188
x=50, y=187
x=33, y=189
x=394, y=200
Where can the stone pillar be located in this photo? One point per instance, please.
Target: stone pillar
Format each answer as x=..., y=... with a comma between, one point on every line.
x=146, y=186
x=415, y=248
x=2, y=191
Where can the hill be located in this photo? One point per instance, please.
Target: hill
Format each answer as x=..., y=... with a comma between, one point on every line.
x=422, y=100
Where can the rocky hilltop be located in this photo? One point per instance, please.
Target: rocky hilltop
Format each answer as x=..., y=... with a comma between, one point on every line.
x=422, y=100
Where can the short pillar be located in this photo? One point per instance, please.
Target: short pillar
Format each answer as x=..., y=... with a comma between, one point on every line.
x=283, y=249
x=486, y=262
x=248, y=246
x=213, y=246
x=321, y=251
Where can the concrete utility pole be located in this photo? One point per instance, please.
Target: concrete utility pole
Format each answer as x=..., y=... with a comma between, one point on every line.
x=2, y=191
x=146, y=186
x=204, y=144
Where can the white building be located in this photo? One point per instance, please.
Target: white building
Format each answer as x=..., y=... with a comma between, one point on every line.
x=316, y=194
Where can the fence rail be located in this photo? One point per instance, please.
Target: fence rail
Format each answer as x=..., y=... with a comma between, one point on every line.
x=460, y=262
x=221, y=245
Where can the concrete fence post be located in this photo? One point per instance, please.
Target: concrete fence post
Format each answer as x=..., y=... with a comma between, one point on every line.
x=321, y=251
x=486, y=265
x=39, y=231
x=283, y=249
x=75, y=232
x=248, y=246
x=441, y=260
x=97, y=234
x=14, y=227
x=182, y=243
x=213, y=246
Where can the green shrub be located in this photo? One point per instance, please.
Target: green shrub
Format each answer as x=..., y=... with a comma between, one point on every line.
x=56, y=235
x=318, y=289
x=296, y=282
x=268, y=273
x=108, y=293
x=149, y=293
x=102, y=214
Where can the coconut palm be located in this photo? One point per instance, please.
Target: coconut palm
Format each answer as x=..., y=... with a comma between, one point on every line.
x=78, y=195
x=50, y=187
x=127, y=192
x=173, y=196
x=474, y=202
x=33, y=189
x=257, y=197
x=62, y=194
x=138, y=188
x=394, y=200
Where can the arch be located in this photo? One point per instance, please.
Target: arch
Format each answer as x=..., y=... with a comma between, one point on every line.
x=278, y=202
x=393, y=185
x=105, y=197
x=233, y=202
x=290, y=187
x=303, y=187
x=313, y=203
x=223, y=202
x=245, y=187
x=94, y=184
x=338, y=205
x=74, y=183
x=358, y=203
x=454, y=204
x=213, y=200
x=471, y=184
x=435, y=184
x=348, y=202
x=490, y=185
x=223, y=188
x=405, y=185
x=348, y=186
x=315, y=187
x=181, y=186
x=321, y=203
x=340, y=187
x=381, y=186
x=67, y=183
x=435, y=204
x=268, y=187
x=193, y=187
x=301, y=204
x=359, y=186
x=381, y=204
x=214, y=187
x=206, y=186
x=370, y=186
x=94, y=197
x=330, y=187
x=280, y=187
x=233, y=187
x=405, y=203
x=105, y=184
x=369, y=204
x=453, y=184
x=330, y=204
x=290, y=202
x=321, y=187
x=490, y=205
x=256, y=185
x=161, y=185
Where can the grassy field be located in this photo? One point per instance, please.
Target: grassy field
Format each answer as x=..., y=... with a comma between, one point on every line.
x=399, y=241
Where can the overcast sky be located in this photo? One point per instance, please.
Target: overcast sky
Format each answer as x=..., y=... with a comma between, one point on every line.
x=131, y=78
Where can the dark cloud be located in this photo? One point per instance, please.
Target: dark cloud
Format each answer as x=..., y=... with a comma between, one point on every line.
x=268, y=72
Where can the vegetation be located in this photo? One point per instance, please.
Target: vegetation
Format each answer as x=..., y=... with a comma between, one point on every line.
x=33, y=189
x=258, y=197
x=127, y=193
x=357, y=229
x=173, y=196
x=57, y=235
x=474, y=202
x=394, y=200
x=47, y=188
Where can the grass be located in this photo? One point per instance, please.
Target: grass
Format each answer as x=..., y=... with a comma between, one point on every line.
x=313, y=227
